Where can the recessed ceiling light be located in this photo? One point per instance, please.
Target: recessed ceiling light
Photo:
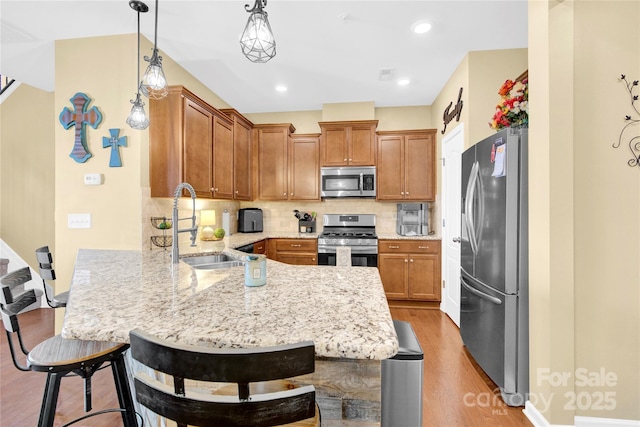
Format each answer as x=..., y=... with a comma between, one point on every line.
x=403, y=82
x=421, y=27
x=281, y=88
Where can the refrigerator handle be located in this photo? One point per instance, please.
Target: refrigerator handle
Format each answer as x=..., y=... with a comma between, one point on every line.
x=480, y=294
x=469, y=214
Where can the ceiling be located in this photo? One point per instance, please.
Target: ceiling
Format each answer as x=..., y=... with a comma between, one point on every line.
x=327, y=51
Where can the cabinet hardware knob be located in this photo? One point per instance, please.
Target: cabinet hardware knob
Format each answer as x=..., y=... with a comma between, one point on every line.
x=212, y=189
x=411, y=260
x=292, y=194
x=313, y=259
x=351, y=160
x=236, y=191
x=344, y=160
x=406, y=260
x=284, y=194
x=406, y=194
x=394, y=247
x=215, y=189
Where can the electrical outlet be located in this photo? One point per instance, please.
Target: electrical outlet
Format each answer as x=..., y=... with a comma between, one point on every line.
x=82, y=220
x=93, y=179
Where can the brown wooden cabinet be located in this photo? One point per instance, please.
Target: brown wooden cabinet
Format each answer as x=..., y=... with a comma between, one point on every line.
x=293, y=251
x=348, y=143
x=304, y=167
x=406, y=165
x=242, y=131
x=189, y=141
x=288, y=165
x=410, y=269
x=260, y=247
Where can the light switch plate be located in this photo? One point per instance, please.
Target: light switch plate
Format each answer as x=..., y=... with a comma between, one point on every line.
x=81, y=220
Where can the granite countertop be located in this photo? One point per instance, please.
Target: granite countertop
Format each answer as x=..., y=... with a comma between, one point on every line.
x=342, y=309
x=240, y=239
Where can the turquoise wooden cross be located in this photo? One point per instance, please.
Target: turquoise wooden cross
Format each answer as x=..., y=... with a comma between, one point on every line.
x=114, y=142
x=80, y=116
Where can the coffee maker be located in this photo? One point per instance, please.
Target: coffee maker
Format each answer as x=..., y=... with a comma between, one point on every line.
x=412, y=219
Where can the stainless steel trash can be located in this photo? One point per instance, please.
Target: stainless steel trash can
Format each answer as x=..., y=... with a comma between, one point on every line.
x=402, y=377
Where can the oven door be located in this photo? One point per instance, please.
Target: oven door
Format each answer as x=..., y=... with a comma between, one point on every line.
x=360, y=256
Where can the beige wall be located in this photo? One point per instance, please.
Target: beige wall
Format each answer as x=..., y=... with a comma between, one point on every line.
x=27, y=167
x=584, y=285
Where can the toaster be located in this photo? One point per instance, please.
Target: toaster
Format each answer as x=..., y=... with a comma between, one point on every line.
x=249, y=220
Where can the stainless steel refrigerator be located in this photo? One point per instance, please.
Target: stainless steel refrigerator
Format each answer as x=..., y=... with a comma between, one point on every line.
x=494, y=312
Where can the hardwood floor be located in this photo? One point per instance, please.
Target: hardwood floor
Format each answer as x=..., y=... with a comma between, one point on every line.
x=455, y=392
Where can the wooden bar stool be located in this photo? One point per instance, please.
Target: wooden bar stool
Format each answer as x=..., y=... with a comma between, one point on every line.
x=45, y=262
x=59, y=357
x=254, y=399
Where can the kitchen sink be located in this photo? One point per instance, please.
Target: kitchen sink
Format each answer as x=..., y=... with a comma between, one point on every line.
x=212, y=262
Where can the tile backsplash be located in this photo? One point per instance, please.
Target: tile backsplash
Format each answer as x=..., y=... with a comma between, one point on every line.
x=278, y=216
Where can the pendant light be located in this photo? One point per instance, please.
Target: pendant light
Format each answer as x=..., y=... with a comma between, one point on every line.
x=257, y=41
x=137, y=117
x=154, y=83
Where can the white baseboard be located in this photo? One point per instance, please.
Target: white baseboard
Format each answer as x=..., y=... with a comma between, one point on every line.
x=15, y=263
x=604, y=422
x=538, y=420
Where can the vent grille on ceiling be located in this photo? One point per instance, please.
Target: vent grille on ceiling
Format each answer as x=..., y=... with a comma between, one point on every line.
x=386, y=74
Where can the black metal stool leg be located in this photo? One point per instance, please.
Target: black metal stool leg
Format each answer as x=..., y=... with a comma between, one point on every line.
x=50, y=400
x=124, y=391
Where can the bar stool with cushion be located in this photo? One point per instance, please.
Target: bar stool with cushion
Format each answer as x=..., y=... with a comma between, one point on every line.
x=254, y=398
x=45, y=262
x=59, y=357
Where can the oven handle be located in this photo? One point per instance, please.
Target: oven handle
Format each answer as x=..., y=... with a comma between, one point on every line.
x=357, y=250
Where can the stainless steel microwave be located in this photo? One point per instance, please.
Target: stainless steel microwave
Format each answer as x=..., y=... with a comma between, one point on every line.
x=348, y=181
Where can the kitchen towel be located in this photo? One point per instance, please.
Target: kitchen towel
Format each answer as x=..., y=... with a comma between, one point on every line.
x=343, y=256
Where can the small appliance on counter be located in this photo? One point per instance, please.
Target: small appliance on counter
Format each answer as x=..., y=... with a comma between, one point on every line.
x=250, y=220
x=412, y=219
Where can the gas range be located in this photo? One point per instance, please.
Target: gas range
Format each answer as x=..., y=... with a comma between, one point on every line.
x=357, y=231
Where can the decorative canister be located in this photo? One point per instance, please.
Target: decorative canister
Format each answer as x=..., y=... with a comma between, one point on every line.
x=255, y=270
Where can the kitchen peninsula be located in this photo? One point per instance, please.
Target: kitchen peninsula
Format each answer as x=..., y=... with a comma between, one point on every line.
x=342, y=309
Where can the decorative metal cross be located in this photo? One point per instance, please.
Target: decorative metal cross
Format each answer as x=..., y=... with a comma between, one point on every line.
x=79, y=117
x=114, y=142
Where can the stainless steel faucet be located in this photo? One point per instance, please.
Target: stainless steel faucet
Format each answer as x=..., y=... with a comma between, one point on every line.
x=175, y=255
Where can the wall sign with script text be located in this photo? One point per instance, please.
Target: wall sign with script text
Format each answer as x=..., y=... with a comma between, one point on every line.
x=449, y=114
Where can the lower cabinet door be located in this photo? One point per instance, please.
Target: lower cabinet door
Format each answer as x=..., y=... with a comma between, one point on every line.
x=393, y=272
x=424, y=274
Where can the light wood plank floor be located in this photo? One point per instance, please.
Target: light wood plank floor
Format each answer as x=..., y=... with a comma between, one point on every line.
x=455, y=392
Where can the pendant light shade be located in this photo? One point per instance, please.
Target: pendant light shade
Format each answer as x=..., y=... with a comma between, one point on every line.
x=154, y=84
x=257, y=40
x=137, y=117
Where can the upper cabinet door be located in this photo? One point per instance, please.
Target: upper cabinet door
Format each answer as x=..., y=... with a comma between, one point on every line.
x=222, y=158
x=272, y=156
x=304, y=167
x=362, y=147
x=390, y=170
x=198, y=148
x=420, y=167
x=334, y=146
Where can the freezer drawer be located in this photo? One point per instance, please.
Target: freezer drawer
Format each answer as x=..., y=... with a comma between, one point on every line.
x=488, y=325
